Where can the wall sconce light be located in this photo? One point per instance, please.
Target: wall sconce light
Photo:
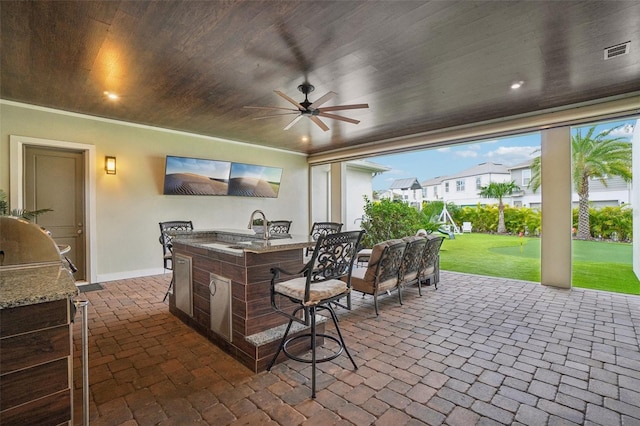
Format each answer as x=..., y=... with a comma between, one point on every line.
x=110, y=165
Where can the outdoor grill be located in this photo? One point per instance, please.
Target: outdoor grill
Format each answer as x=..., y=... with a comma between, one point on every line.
x=37, y=305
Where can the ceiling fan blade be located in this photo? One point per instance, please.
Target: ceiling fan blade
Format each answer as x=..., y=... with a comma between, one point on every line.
x=337, y=117
x=270, y=107
x=276, y=115
x=322, y=99
x=319, y=122
x=297, y=105
x=343, y=107
x=295, y=120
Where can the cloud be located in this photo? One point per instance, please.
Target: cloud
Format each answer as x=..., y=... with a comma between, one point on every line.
x=467, y=153
x=445, y=149
x=512, y=155
x=395, y=171
x=625, y=131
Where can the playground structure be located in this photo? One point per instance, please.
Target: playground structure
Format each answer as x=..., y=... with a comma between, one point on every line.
x=448, y=226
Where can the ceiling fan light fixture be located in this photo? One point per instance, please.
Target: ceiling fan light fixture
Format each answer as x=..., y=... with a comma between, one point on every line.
x=312, y=110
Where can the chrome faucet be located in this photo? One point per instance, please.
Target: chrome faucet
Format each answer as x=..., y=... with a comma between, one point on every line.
x=265, y=225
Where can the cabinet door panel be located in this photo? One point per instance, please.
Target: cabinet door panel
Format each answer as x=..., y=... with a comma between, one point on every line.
x=33, y=383
x=34, y=348
x=182, y=285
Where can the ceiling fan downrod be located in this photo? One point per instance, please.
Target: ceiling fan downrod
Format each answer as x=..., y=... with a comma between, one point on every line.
x=306, y=88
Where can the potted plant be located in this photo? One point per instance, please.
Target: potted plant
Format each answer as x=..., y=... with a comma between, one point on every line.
x=5, y=210
x=258, y=226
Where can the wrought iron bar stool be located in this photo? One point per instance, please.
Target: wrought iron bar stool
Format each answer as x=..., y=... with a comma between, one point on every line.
x=167, y=246
x=325, y=279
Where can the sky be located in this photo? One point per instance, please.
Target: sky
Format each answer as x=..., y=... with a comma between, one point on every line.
x=434, y=162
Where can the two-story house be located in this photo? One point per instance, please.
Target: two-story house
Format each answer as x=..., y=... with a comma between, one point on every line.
x=462, y=188
x=615, y=191
x=408, y=190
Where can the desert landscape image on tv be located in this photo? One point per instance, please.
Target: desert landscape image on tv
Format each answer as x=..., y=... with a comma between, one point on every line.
x=195, y=176
x=248, y=180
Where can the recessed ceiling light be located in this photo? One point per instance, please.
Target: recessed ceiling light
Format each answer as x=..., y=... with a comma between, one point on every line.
x=111, y=96
x=304, y=139
x=517, y=85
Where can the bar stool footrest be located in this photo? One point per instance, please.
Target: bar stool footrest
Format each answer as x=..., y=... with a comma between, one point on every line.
x=309, y=361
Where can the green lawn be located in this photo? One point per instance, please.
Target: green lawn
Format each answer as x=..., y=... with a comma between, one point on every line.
x=596, y=265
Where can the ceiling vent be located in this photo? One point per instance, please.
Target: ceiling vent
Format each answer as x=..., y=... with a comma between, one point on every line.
x=617, y=50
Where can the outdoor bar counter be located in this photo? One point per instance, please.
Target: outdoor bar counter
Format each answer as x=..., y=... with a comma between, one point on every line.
x=222, y=284
x=37, y=355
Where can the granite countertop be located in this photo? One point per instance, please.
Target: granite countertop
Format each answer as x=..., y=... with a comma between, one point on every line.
x=238, y=242
x=28, y=285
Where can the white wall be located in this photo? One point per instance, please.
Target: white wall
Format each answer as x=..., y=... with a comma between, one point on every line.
x=320, y=200
x=470, y=197
x=130, y=204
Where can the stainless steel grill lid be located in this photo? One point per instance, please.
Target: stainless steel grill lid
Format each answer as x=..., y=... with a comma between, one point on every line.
x=23, y=243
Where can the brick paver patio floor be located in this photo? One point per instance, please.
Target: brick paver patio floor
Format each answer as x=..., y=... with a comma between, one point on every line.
x=478, y=350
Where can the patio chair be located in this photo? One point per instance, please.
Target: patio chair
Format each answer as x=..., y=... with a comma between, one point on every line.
x=466, y=227
x=325, y=280
x=430, y=266
x=279, y=227
x=382, y=272
x=412, y=260
x=166, y=237
x=323, y=228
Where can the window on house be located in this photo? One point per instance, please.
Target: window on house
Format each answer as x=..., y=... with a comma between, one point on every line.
x=460, y=185
x=446, y=187
x=478, y=183
x=526, y=177
x=435, y=192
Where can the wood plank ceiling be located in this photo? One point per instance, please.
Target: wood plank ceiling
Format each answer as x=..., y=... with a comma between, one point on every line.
x=420, y=65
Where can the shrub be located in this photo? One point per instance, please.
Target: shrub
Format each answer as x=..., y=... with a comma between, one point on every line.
x=485, y=219
x=385, y=219
x=611, y=222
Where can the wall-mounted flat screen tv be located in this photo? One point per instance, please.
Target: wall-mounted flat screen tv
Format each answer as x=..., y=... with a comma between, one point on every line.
x=248, y=180
x=197, y=176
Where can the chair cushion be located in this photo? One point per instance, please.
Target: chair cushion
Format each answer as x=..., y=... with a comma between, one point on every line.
x=318, y=291
x=363, y=256
x=376, y=253
x=359, y=283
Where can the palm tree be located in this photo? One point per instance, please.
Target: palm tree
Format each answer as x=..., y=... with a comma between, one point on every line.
x=593, y=156
x=499, y=190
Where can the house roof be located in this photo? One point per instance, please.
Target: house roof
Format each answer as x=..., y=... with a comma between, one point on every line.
x=433, y=181
x=368, y=166
x=523, y=165
x=480, y=169
x=193, y=66
x=407, y=183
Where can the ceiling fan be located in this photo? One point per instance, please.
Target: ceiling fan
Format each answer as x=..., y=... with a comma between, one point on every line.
x=311, y=109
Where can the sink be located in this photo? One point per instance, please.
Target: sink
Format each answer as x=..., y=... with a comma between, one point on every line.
x=233, y=247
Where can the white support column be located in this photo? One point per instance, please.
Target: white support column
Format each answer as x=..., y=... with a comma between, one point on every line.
x=635, y=197
x=556, y=207
x=338, y=175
